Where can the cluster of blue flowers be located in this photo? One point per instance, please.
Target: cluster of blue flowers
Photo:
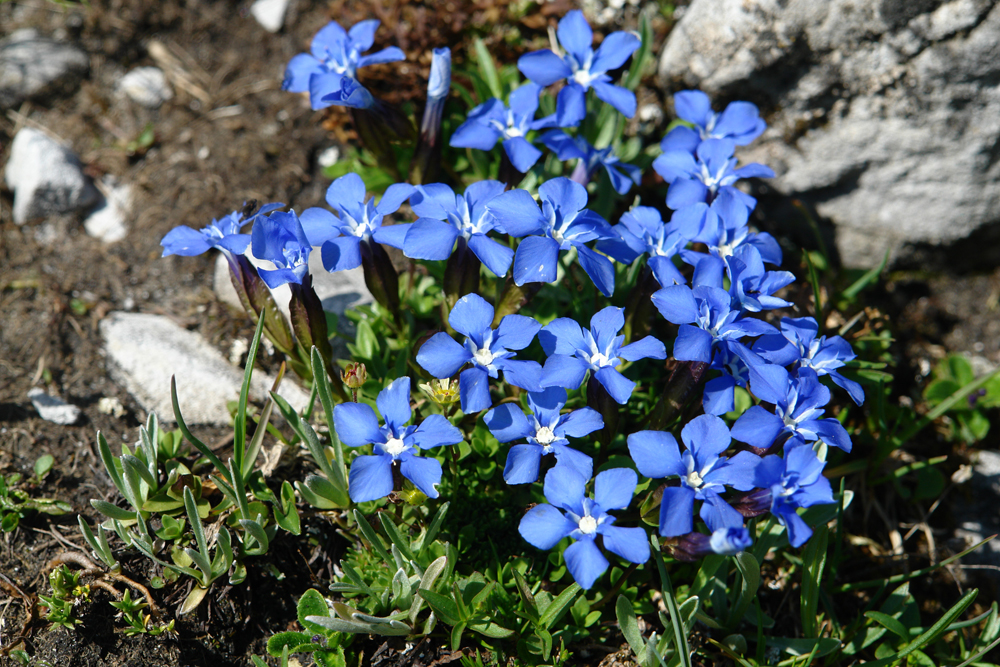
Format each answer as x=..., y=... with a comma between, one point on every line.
x=778, y=467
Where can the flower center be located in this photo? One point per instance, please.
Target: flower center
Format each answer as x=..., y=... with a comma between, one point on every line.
x=484, y=357
x=694, y=480
x=545, y=436
x=600, y=360
x=588, y=525
x=394, y=447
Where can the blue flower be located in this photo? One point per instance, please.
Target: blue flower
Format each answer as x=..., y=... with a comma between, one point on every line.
x=792, y=481
x=584, y=519
x=642, y=231
x=329, y=73
x=723, y=228
x=797, y=344
x=728, y=535
x=563, y=222
x=487, y=349
x=492, y=121
x=583, y=68
x=798, y=407
x=578, y=148
x=740, y=122
x=444, y=216
x=574, y=350
x=700, y=177
x=371, y=476
x=702, y=471
x=750, y=286
x=279, y=238
x=359, y=221
x=546, y=434
x=221, y=234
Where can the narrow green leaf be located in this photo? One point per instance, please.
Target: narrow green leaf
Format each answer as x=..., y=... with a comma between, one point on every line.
x=680, y=638
x=750, y=581
x=941, y=626
x=554, y=611
x=865, y=280
x=443, y=606
x=889, y=623
x=530, y=606
x=373, y=538
x=488, y=69
x=240, y=423
x=339, y=475
x=432, y=529
x=430, y=576
x=814, y=557
x=395, y=536
x=195, y=442
x=109, y=463
x=629, y=625
x=112, y=511
x=195, y=522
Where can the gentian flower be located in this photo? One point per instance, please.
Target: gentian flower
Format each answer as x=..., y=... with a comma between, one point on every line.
x=622, y=174
x=279, y=238
x=359, y=221
x=700, y=177
x=574, y=350
x=487, y=349
x=584, y=519
x=723, y=228
x=797, y=344
x=702, y=471
x=221, y=234
x=329, y=73
x=427, y=158
x=642, y=231
x=798, y=407
x=583, y=68
x=546, y=434
x=492, y=121
x=444, y=216
x=753, y=287
x=371, y=476
x=788, y=482
x=728, y=534
x=563, y=223
x=740, y=122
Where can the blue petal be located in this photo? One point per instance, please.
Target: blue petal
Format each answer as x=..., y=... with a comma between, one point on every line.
x=523, y=101
x=473, y=134
x=370, y=478
x=516, y=331
x=346, y=192
x=474, y=390
x=564, y=194
x=393, y=403
x=341, y=253
x=718, y=514
x=362, y=34
x=563, y=145
x=185, y=242
x=562, y=336
x=719, y=395
x=617, y=385
x=435, y=431
x=472, y=316
x=605, y=325
x=832, y=432
x=738, y=472
x=430, y=239
x=536, y=260
x=681, y=139
x=319, y=225
x=563, y=370
x=683, y=192
x=507, y=422
x=425, y=473
x=495, y=256
x=618, y=97
x=392, y=235
x=522, y=465
x=322, y=84
x=676, y=511
x=527, y=375
x=582, y=464
x=580, y=423
x=585, y=562
x=433, y=200
x=543, y=526
x=394, y=196
x=277, y=277
x=621, y=182
x=234, y=243
x=854, y=390
x=350, y=93
x=646, y=348
x=389, y=54
x=613, y=489
x=741, y=122
x=441, y=356
x=517, y=213
x=757, y=427
x=614, y=51
x=692, y=344
x=677, y=304
x=356, y=424
x=521, y=153
x=329, y=38
x=543, y=67
x=546, y=404
x=799, y=531
x=575, y=34
x=571, y=105
x=599, y=268
x=706, y=436
x=674, y=165
x=298, y=73
x=693, y=106
x=656, y=454
x=665, y=271
x=564, y=488
x=632, y=544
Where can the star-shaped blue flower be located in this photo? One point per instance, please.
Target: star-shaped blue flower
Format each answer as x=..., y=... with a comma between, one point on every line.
x=723, y=228
x=546, y=434
x=740, y=122
x=574, y=350
x=700, y=177
x=563, y=223
x=583, y=68
x=279, y=238
x=584, y=519
x=371, y=476
x=641, y=231
x=622, y=174
x=487, y=349
x=701, y=469
x=329, y=72
x=224, y=235
x=444, y=216
x=791, y=481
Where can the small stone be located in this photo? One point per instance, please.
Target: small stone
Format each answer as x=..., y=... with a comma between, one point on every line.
x=53, y=409
x=46, y=177
x=203, y=153
x=32, y=66
x=329, y=157
x=270, y=14
x=146, y=86
x=109, y=405
x=107, y=221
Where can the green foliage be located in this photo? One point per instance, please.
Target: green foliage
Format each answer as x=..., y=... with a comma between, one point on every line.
x=67, y=592
x=16, y=501
x=966, y=420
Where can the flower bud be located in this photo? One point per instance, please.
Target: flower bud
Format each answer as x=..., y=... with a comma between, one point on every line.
x=443, y=391
x=354, y=375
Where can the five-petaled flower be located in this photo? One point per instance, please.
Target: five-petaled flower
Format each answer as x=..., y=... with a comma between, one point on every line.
x=584, y=519
x=641, y=231
x=589, y=159
x=371, y=476
x=279, y=238
x=487, y=349
x=223, y=235
x=740, y=122
x=698, y=178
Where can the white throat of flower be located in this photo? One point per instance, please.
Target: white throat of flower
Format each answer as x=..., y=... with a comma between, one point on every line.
x=483, y=356
x=545, y=436
x=394, y=447
x=588, y=525
x=694, y=480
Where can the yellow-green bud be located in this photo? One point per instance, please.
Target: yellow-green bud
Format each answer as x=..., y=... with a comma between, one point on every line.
x=442, y=392
x=354, y=375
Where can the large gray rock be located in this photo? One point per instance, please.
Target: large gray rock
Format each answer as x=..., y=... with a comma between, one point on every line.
x=144, y=351
x=976, y=516
x=46, y=177
x=32, y=66
x=884, y=115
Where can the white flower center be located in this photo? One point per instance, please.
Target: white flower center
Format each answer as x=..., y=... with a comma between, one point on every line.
x=484, y=357
x=394, y=447
x=588, y=525
x=694, y=480
x=545, y=436
x=583, y=77
x=600, y=360
x=513, y=132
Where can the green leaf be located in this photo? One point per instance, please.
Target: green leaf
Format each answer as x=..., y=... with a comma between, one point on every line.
x=312, y=603
x=629, y=625
x=889, y=623
x=444, y=607
x=814, y=557
x=750, y=581
x=373, y=538
x=112, y=511
x=330, y=657
x=286, y=514
x=395, y=537
x=490, y=629
x=864, y=281
x=293, y=640
x=554, y=611
x=941, y=626
x=822, y=646
x=530, y=606
x=43, y=465
x=195, y=442
x=488, y=71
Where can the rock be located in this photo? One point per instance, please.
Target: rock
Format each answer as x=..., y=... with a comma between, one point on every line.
x=144, y=351
x=146, y=86
x=884, y=116
x=270, y=14
x=53, y=409
x=108, y=221
x=109, y=405
x=977, y=518
x=46, y=177
x=32, y=67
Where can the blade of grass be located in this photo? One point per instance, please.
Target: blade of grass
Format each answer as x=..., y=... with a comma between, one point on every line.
x=854, y=289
